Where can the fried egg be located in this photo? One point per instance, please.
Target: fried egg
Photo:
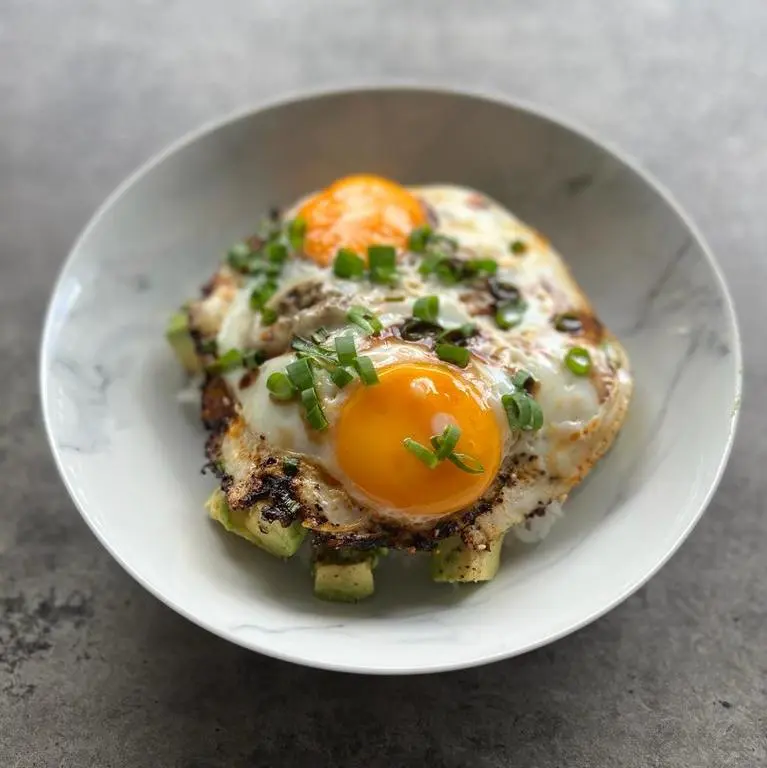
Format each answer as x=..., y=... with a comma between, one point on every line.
x=355, y=480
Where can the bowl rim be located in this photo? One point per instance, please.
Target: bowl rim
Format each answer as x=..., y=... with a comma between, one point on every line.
x=487, y=95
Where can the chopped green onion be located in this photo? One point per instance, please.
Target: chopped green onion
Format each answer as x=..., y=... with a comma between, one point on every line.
x=306, y=348
x=504, y=291
x=268, y=316
x=253, y=359
x=290, y=466
x=208, y=347
x=238, y=256
x=448, y=271
x=382, y=261
x=366, y=370
x=419, y=239
x=452, y=353
x=279, y=386
x=444, y=245
x=519, y=412
x=568, y=322
x=415, y=330
x=365, y=319
x=522, y=411
x=300, y=374
x=522, y=378
x=481, y=266
x=267, y=268
x=227, y=362
x=341, y=376
x=467, y=463
x=346, y=349
x=578, y=361
x=421, y=452
x=320, y=335
x=426, y=308
x=348, y=265
x=510, y=314
x=458, y=335
x=444, y=443
x=518, y=246
x=314, y=414
x=296, y=233
x=277, y=253
x=262, y=293
x=429, y=263
x=536, y=421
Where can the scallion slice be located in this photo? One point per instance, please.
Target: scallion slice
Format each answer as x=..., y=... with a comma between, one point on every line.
x=346, y=349
x=458, y=335
x=306, y=348
x=503, y=290
x=348, y=265
x=366, y=370
x=444, y=245
x=368, y=321
x=341, y=376
x=290, y=466
x=276, y=253
x=268, y=316
x=296, y=233
x=239, y=256
x=253, y=358
x=421, y=452
x=429, y=263
x=314, y=414
x=467, y=463
x=419, y=239
x=518, y=410
x=262, y=293
x=510, y=314
x=427, y=308
x=415, y=330
x=475, y=267
x=521, y=379
x=536, y=421
x=227, y=362
x=448, y=271
x=279, y=386
x=568, y=322
x=300, y=374
x=578, y=361
x=320, y=335
x=452, y=353
x=382, y=262
x=446, y=442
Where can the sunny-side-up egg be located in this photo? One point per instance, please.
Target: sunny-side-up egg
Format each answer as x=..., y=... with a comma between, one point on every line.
x=359, y=476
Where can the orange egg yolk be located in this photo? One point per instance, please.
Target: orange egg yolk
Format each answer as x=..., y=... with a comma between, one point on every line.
x=356, y=212
x=416, y=400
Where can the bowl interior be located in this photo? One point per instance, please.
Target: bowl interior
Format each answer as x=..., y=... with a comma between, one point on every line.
x=130, y=453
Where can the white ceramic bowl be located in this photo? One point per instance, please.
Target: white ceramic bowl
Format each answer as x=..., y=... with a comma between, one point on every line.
x=130, y=455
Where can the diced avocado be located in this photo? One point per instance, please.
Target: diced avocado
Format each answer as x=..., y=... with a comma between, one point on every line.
x=270, y=536
x=453, y=561
x=344, y=576
x=178, y=336
x=344, y=583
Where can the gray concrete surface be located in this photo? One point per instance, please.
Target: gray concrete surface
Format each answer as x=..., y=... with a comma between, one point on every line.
x=94, y=671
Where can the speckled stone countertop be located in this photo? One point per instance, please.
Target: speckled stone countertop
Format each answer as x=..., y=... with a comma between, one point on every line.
x=96, y=672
